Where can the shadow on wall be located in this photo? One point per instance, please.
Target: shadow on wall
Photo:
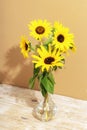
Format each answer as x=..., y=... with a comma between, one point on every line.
x=16, y=70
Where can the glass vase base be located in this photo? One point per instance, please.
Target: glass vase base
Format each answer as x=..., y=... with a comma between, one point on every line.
x=45, y=110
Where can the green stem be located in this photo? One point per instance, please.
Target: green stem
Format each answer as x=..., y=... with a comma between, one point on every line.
x=45, y=105
x=32, y=48
x=46, y=98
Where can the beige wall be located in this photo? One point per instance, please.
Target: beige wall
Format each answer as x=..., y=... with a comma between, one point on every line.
x=14, y=17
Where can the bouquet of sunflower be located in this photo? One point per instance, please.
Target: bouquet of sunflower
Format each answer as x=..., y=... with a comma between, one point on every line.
x=47, y=56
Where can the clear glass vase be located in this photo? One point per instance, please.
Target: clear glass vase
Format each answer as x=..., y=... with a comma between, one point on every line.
x=46, y=109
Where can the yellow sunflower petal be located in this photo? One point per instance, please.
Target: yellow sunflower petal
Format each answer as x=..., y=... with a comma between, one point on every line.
x=39, y=29
x=36, y=57
x=62, y=37
x=24, y=45
x=47, y=59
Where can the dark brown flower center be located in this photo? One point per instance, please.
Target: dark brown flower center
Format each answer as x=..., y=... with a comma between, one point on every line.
x=49, y=60
x=26, y=46
x=40, y=30
x=60, y=38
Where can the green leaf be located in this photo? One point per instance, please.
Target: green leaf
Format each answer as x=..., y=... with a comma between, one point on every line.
x=40, y=76
x=51, y=78
x=47, y=84
x=63, y=61
x=32, y=82
x=55, y=68
x=43, y=90
x=36, y=71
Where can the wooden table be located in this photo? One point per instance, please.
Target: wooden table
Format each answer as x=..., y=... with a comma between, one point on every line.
x=16, y=105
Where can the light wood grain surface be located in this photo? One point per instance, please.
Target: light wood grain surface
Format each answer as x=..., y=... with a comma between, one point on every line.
x=16, y=106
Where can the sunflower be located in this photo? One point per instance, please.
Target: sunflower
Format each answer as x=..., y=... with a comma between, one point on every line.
x=47, y=59
x=62, y=40
x=39, y=29
x=25, y=46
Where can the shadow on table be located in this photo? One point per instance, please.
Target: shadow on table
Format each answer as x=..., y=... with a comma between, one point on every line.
x=25, y=96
